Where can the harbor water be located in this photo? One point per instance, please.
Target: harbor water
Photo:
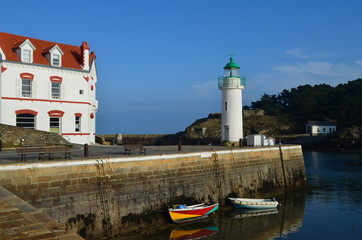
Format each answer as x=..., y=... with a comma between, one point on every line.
x=330, y=208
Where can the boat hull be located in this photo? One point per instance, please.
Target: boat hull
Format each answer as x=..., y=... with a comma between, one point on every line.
x=191, y=213
x=254, y=203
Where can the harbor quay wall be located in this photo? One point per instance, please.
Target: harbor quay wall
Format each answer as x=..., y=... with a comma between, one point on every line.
x=103, y=197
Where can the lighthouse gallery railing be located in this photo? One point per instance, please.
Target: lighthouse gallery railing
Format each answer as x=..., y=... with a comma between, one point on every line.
x=231, y=82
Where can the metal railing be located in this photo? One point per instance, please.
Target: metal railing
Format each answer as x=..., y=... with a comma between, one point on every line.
x=231, y=82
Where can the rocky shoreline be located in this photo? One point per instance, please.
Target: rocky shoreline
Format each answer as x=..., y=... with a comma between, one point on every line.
x=344, y=140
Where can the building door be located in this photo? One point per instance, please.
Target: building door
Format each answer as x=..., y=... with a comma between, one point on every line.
x=226, y=131
x=54, y=125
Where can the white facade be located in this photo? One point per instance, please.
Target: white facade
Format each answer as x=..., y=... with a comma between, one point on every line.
x=232, y=115
x=320, y=127
x=259, y=140
x=255, y=140
x=61, y=98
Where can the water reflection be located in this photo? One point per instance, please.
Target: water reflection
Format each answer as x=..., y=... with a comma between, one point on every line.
x=194, y=230
x=239, y=224
x=243, y=213
x=287, y=218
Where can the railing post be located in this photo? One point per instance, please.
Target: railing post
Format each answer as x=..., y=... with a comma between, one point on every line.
x=86, y=150
x=179, y=145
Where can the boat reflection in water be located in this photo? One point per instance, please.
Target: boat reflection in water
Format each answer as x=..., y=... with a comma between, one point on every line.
x=193, y=230
x=263, y=224
x=244, y=213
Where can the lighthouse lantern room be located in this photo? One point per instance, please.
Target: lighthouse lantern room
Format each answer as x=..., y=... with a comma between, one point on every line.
x=231, y=85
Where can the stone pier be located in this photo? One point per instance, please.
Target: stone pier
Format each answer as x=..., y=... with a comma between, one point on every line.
x=105, y=196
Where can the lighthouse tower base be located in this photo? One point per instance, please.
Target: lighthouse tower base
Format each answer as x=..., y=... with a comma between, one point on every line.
x=232, y=143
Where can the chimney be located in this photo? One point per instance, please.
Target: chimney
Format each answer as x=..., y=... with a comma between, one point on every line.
x=85, y=55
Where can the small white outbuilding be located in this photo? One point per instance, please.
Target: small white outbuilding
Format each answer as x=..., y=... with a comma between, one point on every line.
x=259, y=140
x=320, y=127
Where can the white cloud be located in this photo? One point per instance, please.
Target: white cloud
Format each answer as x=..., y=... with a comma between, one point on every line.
x=327, y=69
x=306, y=52
x=296, y=52
x=358, y=62
x=291, y=75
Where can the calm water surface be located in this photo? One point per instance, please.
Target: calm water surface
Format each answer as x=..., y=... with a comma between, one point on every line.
x=331, y=208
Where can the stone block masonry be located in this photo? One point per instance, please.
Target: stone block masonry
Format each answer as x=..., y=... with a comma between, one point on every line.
x=20, y=220
x=99, y=197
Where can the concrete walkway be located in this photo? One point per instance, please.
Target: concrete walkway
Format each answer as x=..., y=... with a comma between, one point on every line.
x=9, y=156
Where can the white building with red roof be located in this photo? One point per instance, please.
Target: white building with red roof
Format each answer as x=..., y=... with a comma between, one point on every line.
x=48, y=86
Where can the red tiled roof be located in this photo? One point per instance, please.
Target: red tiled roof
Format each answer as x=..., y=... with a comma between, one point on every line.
x=72, y=57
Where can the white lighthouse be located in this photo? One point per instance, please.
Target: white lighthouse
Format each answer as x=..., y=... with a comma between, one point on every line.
x=231, y=85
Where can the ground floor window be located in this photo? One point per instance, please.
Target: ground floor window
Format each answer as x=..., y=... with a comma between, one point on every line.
x=54, y=125
x=77, y=124
x=25, y=120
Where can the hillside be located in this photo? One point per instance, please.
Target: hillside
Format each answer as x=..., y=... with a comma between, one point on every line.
x=207, y=130
x=342, y=104
x=344, y=140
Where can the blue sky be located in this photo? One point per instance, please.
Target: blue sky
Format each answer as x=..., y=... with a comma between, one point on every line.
x=158, y=61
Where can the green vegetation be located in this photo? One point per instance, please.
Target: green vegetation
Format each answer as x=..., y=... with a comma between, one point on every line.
x=342, y=103
x=287, y=113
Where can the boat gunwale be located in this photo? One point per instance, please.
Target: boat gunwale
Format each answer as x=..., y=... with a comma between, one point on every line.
x=254, y=203
x=254, y=200
x=193, y=207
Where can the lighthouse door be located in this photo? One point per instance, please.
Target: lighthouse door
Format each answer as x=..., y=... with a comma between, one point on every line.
x=226, y=131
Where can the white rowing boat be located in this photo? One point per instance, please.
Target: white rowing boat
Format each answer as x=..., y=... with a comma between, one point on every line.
x=254, y=203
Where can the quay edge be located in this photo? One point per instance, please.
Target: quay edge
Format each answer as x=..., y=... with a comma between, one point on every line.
x=98, y=197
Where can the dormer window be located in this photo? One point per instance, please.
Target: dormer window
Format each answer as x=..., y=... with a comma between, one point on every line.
x=25, y=51
x=54, y=56
x=56, y=60
x=27, y=56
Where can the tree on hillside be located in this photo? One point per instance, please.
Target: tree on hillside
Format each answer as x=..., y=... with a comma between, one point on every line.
x=342, y=103
x=269, y=103
x=349, y=99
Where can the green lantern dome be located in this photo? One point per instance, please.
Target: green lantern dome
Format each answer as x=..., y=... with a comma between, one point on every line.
x=231, y=65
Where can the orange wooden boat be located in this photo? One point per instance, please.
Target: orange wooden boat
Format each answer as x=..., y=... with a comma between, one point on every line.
x=184, y=213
